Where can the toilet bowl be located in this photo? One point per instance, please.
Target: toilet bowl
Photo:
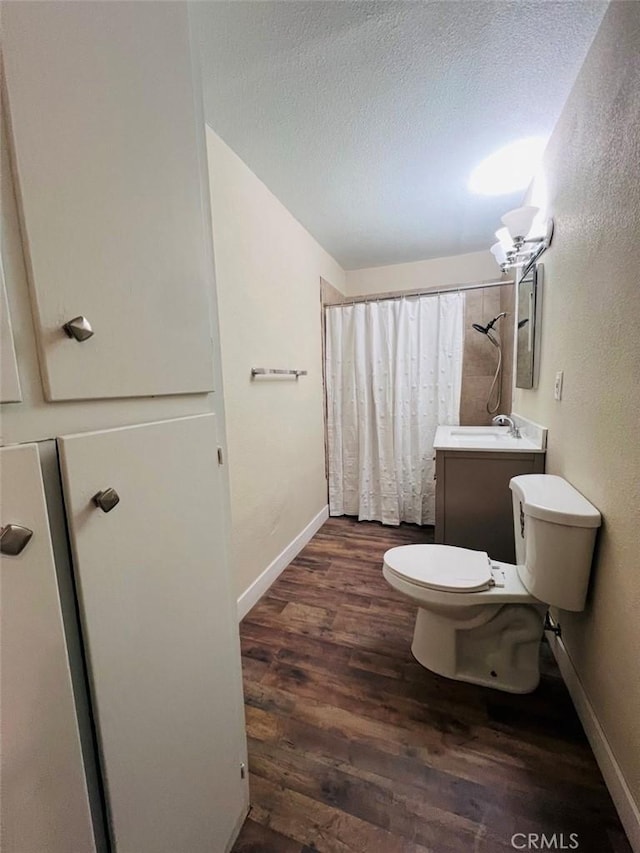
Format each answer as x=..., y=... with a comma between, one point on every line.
x=481, y=620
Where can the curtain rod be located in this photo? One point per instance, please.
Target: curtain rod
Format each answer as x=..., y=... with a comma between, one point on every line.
x=453, y=288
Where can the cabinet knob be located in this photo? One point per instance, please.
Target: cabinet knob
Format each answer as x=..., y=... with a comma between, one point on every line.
x=78, y=328
x=13, y=539
x=107, y=499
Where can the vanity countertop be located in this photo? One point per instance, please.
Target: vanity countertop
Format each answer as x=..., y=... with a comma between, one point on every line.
x=490, y=439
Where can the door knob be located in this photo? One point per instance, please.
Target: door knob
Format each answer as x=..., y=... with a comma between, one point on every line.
x=13, y=539
x=78, y=328
x=107, y=499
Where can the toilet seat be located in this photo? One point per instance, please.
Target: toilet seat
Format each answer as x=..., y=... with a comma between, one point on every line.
x=441, y=567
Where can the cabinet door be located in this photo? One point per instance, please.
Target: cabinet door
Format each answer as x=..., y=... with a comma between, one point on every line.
x=108, y=143
x=476, y=500
x=161, y=632
x=44, y=804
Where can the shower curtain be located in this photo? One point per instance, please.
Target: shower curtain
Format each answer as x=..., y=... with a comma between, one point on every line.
x=393, y=373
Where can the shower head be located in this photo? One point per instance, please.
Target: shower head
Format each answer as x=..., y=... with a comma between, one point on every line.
x=484, y=330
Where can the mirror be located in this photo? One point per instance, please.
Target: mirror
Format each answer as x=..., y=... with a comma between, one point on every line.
x=528, y=327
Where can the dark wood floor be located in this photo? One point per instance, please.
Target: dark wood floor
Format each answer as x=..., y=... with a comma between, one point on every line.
x=353, y=746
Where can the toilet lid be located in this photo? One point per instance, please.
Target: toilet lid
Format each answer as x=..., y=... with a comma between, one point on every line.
x=441, y=567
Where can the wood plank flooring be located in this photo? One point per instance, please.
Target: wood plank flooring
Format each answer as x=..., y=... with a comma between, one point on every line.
x=353, y=746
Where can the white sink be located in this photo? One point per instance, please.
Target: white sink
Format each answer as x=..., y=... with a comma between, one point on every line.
x=484, y=438
x=477, y=435
x=474, y=439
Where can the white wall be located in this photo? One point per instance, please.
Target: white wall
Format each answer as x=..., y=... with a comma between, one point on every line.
x=434, y=273
x=268, y=271
x=591, y=331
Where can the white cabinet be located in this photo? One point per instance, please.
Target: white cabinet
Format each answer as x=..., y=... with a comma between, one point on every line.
x=161, y=637
x=44, y=804
x=108, y=142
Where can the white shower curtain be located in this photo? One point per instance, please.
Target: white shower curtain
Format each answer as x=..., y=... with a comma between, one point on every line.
x=393, y=373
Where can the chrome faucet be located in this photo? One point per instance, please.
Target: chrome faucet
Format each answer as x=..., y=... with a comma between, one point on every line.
x=505, y=420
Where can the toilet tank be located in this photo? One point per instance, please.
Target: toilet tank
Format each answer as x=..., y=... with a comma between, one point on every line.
x=555, y=530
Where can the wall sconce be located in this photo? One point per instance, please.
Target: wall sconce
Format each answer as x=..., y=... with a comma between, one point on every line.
x=514, y=248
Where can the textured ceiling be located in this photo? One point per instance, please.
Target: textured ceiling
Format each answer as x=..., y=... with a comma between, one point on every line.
x=366, y=118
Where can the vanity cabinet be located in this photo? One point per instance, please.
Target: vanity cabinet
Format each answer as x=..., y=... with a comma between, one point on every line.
x=109, y=150
x=473, y=499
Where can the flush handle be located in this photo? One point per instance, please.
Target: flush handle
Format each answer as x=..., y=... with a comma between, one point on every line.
x=521, y=520
x=13, y=539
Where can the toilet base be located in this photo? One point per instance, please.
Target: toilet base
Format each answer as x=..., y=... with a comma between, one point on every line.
x=498, y=648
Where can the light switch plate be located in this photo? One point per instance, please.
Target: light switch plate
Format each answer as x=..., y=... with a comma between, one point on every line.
x=557, y=388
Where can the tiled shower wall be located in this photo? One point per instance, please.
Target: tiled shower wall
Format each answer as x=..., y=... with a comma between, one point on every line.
x=480, y=357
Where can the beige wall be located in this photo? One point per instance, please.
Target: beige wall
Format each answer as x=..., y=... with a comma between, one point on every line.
x=591, y=330
x=423, y=275
x=268, y=271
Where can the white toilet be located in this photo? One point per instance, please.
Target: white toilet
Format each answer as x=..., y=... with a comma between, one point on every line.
x=480, y=620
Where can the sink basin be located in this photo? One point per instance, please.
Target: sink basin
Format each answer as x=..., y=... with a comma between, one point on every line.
x=484, y=435
x=479, y=436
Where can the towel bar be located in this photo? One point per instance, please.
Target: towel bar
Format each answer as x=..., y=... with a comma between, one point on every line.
x=269, y=371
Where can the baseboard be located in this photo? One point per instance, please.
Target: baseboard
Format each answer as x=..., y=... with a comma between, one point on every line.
x=620, y=794
x=262, y=583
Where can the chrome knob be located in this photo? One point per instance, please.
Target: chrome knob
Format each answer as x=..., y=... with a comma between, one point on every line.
x=78, y=328
x=107, y=499
x=13, y=539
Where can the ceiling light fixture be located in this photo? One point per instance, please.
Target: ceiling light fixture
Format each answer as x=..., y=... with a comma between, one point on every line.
x=515, y=248
x=509, y=169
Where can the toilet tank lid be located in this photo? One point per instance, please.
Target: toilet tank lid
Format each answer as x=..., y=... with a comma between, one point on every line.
x=552, y=498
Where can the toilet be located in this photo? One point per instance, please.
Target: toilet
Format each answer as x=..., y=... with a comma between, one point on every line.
x=481, y=620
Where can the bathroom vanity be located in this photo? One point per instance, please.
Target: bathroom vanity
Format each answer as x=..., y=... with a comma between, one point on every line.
x=473, y=468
